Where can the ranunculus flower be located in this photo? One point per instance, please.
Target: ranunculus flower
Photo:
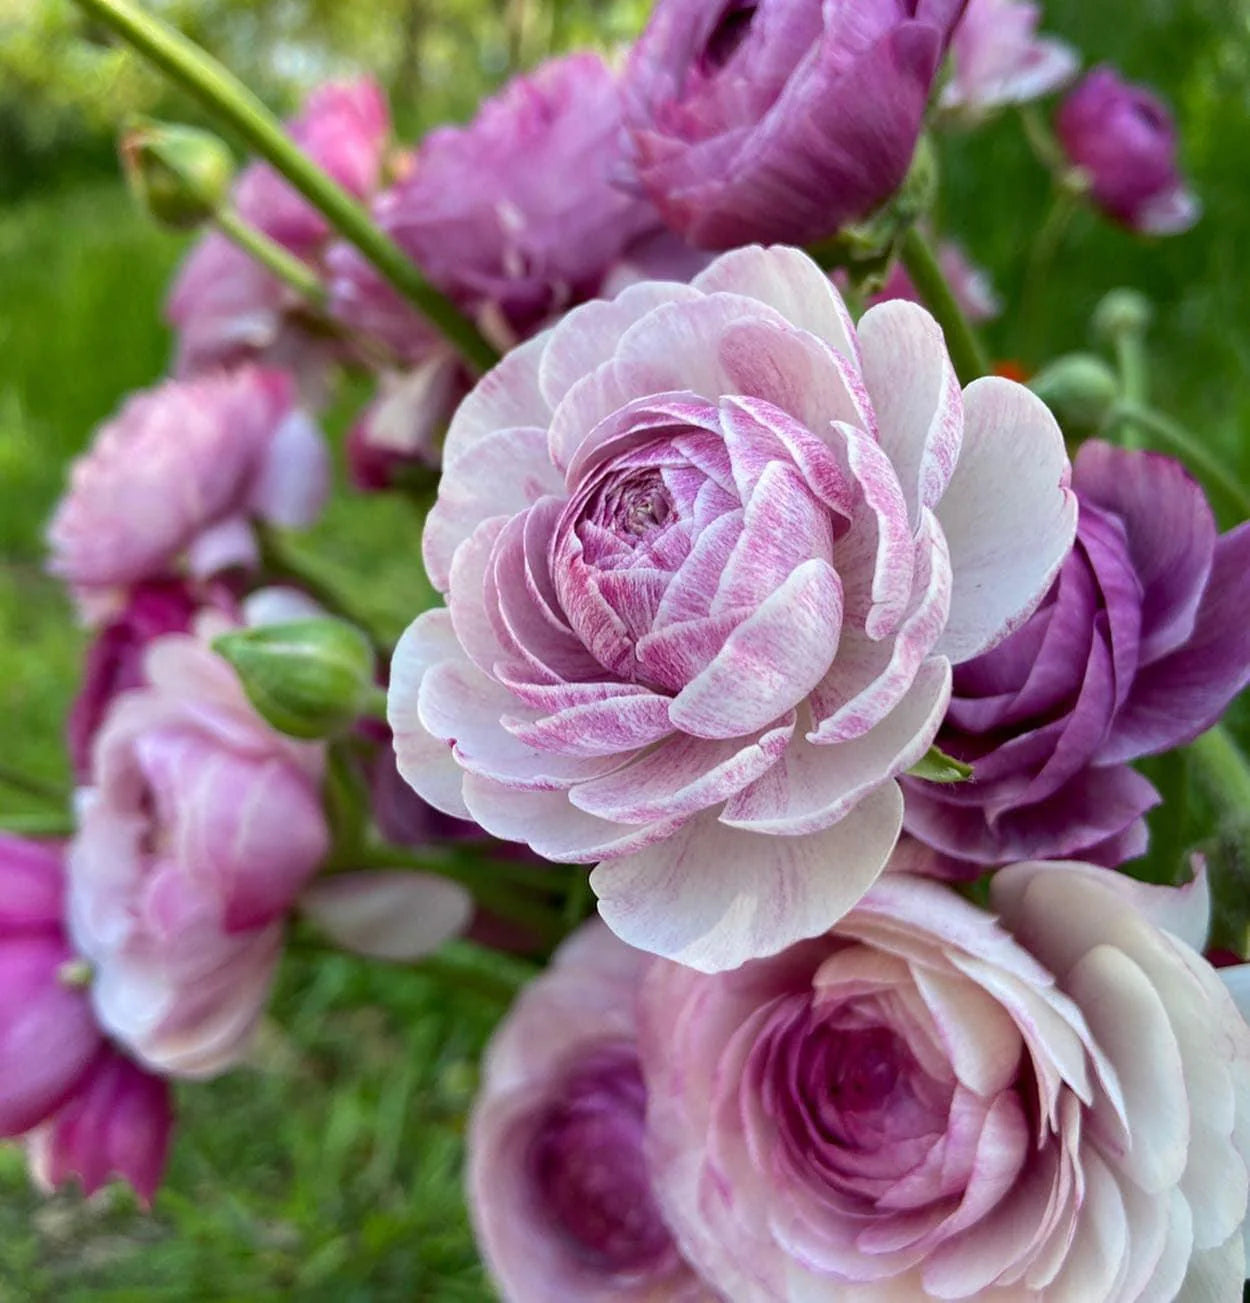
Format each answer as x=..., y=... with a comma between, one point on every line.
x=202, y=828
x=968, y=283
x=558, y=1184
x=226, y=307
x=513, y=215
x=781, y=120
x=117, y=1123
x=114, y=661
x=1138, y=648
x=709, y=553
x=929, y=1103
x=179, y=473
x=997, y=58
x=83, y=1108
x=1124, y=139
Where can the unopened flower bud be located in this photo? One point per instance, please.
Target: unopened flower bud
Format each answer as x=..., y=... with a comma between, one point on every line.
x=308, y=678
x=180, y=175
x=1080, y=388
x=1122, y=312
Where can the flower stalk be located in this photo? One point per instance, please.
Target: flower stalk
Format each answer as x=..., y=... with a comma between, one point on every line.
x=223, y=94
x=271, y=255
x=922, y=266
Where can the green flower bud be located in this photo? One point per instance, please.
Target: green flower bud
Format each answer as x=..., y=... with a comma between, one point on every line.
x=308, y=678
x=181, y=176
x=1080, y=388
x=1122, y=312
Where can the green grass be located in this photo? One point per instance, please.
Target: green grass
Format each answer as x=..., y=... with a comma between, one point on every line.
x=328, y=1167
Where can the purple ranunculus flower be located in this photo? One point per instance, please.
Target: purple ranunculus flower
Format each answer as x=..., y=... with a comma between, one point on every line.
x=226, y=307
x=177, y=475
x=709, y=552
x=1138, y=648
x=780, y=120
x=514, y=215
x=932, y=1102
x=997, y=58
x=1124, y=139
x=84, y=1110
x=558, y=1184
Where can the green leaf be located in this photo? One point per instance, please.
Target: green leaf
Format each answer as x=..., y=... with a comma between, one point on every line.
x=937, y=767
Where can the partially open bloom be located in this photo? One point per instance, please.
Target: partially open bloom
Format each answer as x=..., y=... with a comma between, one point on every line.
x=202, y=828
x=1138, y=648
x=997, y=58
x=176, y=478
x=781, y=120
x=513, y=215
x=1124, y=139
x=226, y=307
x=709, y=553
x=931, y=1103
x=85, y=1110
x=558, y=1184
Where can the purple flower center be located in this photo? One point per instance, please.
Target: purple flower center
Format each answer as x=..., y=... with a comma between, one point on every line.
x=732, y=28
x=589, y=1171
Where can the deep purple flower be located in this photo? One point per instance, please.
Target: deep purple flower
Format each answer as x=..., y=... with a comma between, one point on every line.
x=779, y=120
x=558, y=1182
x=1124, y=138
x=1139, y=647
x=514, y=215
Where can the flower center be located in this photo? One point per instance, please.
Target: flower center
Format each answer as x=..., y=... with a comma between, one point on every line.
x=589, y=1172
x=731, y=29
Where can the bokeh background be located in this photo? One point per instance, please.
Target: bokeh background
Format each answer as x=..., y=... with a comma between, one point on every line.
x=328, y=1167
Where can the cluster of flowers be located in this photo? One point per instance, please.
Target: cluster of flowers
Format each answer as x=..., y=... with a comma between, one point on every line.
x=722, y=563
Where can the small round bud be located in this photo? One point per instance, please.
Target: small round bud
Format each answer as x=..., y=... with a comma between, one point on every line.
x=1080, y=388
x=1122, y=312
x=308, y=678
x=180, y=175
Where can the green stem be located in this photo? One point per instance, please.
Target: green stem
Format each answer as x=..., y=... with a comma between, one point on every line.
x=1222, y=771
x=964, y=346
x=223, y=94
x=271, y=255
x=1130, y=356
x=31, y=786
x=1191, y=449
x=1041, y=259
x=29, y=823
x=1042, y=141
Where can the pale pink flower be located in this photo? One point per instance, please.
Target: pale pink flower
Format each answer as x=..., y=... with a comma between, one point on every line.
x=709, y=553
x=202, y=828
x=997, y=58
x=929, y=1103
x=177, y=476
x=558, y=1185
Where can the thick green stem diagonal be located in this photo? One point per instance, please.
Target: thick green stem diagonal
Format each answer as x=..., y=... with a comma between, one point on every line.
x=926, y=275
x=223, y=94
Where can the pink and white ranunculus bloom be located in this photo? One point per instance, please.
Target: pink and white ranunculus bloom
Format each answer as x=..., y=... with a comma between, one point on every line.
x=997, y=58
x=929, y=1103
x=558, y=1184
x=202, y=828
x=709, y=553
x=178, y=475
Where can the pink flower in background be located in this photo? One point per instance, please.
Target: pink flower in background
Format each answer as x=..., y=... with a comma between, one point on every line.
x=514, y=215
x=86, y=1111
x=970, y=285
x=1139, y=646
x=114, y=660
x=177, y=475
x=201, y=830
x=997, y=58
x=709, y=553
x=118, y=1122
x=781, y=120
x=929, y=1103
x=224, y=306
x=1124, y=138
x=558, y=1185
